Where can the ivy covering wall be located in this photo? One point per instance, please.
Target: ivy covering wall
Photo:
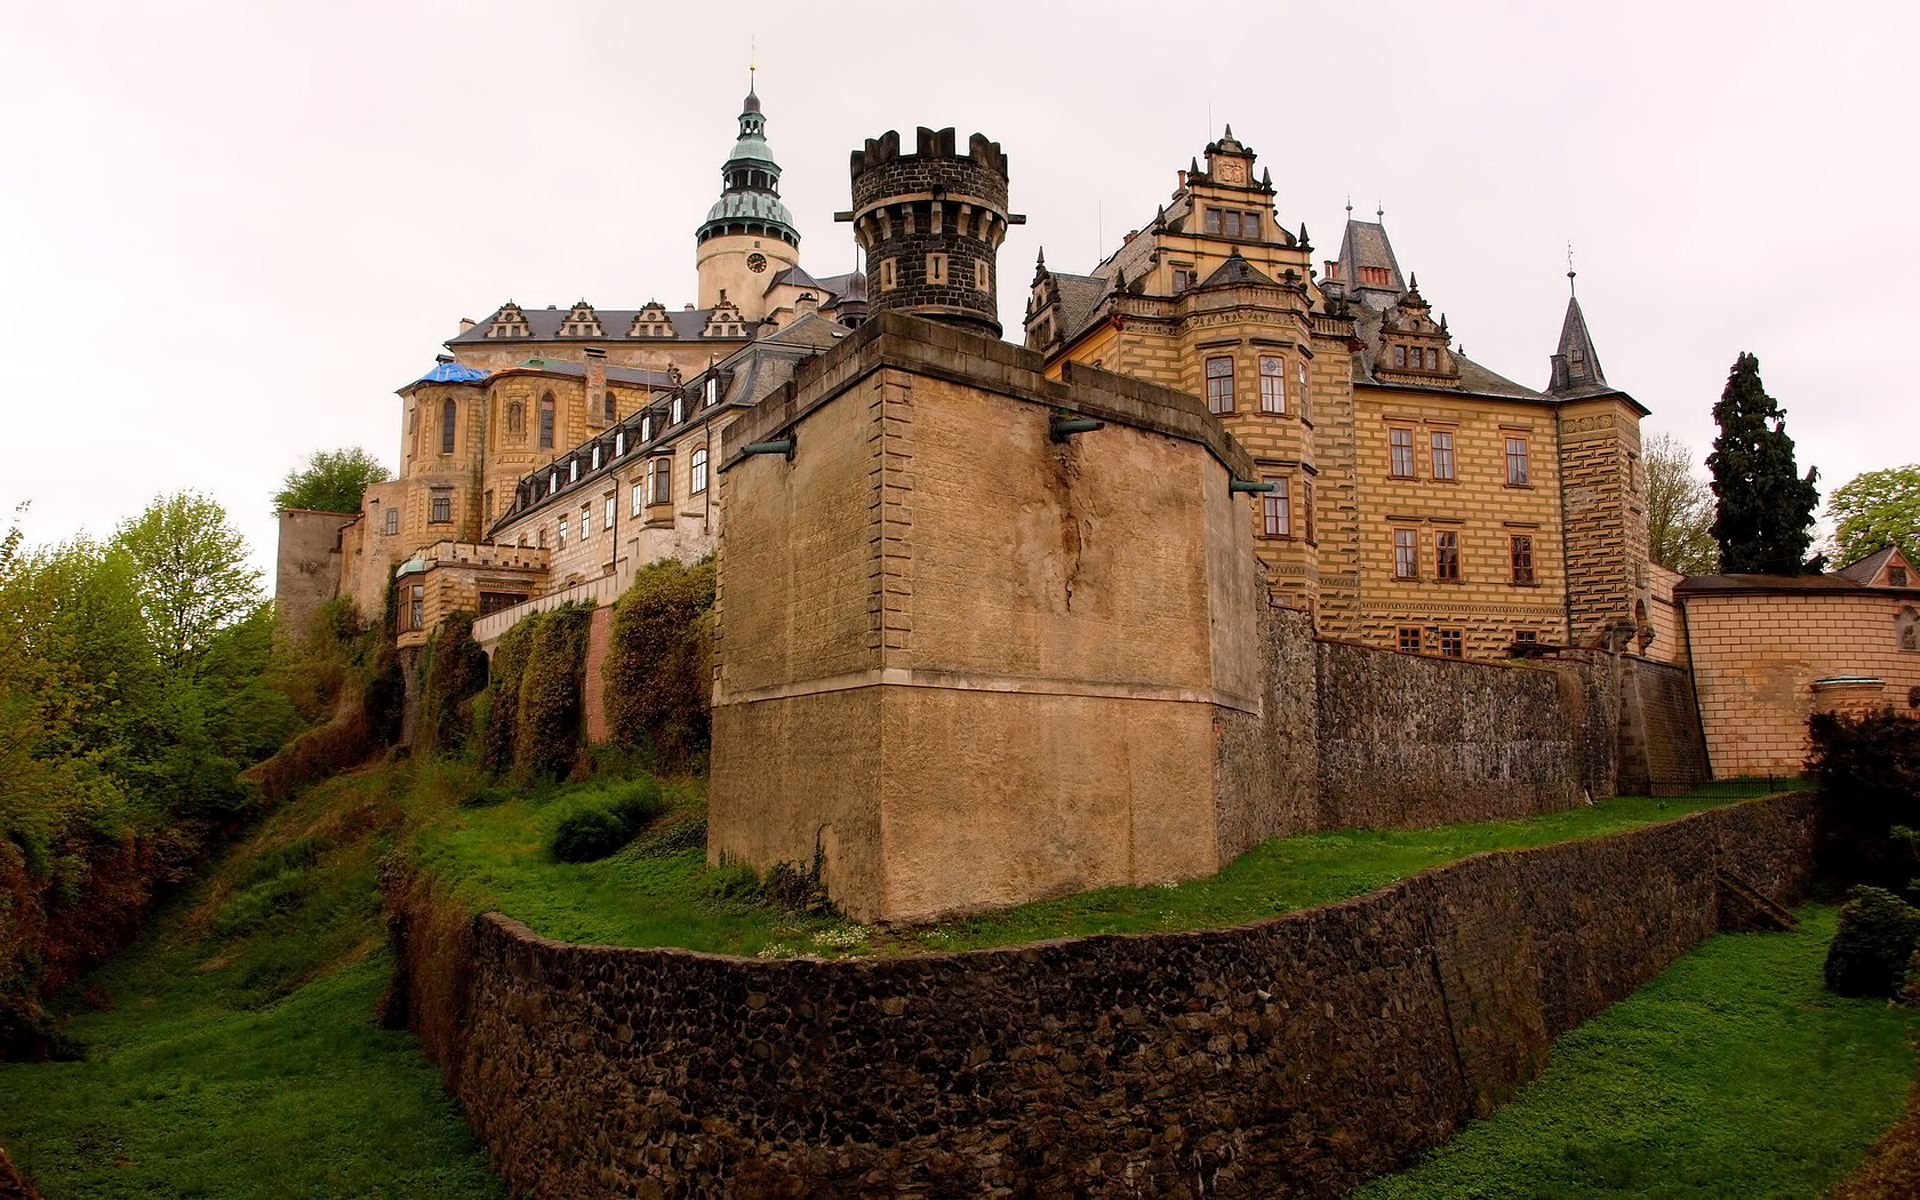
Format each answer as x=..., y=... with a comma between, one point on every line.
x=532, y=728
x=659, y=666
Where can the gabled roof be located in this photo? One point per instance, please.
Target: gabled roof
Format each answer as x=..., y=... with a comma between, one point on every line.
x=1474, y=378
x=1236, y=270
x=1865, y=571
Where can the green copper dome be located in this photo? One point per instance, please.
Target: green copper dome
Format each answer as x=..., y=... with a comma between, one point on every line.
x=749, y=200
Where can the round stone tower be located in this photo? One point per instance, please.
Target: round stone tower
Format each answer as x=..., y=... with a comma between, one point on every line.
x=931, y=223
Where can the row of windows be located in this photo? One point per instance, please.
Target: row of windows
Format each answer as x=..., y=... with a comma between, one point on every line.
x=1422, y=358
x=1451, y=643
x=655, y=487
x=939, y=271
x=1440, y=456
x=1232, y=222
x=1276, y=392
x=1446, y=556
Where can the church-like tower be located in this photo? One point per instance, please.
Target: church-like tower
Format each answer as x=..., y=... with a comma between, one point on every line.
x=748, y=236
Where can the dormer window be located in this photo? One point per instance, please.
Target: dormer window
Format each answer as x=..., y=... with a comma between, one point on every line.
x=713, y=391
x=596, y=456
x=646, y=428
x=1184, y=277
x=1896, y=576
x=1399, y=356
x=679, y=409
x=619, y=442
x=573, y=470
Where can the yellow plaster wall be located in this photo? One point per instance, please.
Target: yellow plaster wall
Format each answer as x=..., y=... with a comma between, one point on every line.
x=1756, y=656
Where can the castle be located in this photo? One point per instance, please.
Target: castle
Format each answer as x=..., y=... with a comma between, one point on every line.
x=1001, y=621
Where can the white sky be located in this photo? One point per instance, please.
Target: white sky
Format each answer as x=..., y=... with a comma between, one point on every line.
x=229, y=229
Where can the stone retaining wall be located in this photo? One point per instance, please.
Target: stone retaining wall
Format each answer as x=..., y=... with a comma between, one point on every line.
x=1295, y=1056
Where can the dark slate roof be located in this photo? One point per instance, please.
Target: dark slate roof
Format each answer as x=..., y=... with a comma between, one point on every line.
x=797, y=276
x=1365, y=244
x=1866, y=570
x=1236, y=270
x=1080, y=297
x=688, y=323
x=1576, y=368
x=1832, y=584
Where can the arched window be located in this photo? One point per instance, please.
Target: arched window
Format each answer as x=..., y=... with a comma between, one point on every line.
x=447, y=413
x=546, y=421
x=698, y=483
x=610, y=407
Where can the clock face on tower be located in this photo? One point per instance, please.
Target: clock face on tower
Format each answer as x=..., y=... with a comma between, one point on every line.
x=1232, y=172
x=756, y=261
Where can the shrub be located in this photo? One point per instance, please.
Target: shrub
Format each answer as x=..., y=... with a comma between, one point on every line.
x=659, y=665
x=604, y=821
x=1875, y=941
x=589, y=833
x=1868, y=772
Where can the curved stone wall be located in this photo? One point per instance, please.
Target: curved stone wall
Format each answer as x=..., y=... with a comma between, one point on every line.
x=1297, y=1055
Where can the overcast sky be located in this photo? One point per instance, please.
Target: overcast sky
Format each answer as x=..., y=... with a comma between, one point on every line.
x=230, y=229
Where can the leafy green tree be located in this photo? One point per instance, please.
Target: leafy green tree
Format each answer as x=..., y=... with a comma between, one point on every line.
x=191, y=573
x=1679, y=508
x=1765, y=514
x=332, y=481
x=1874, y=510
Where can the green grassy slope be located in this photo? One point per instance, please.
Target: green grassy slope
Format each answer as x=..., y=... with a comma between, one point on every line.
x=233, y=1052
x=1734, y=1073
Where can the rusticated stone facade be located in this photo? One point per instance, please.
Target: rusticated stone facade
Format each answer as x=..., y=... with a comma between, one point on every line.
x=1296, y=1056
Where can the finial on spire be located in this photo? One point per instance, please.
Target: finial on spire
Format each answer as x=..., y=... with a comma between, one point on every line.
x=1570, y=271
x=1380, y=210
x=1413, y=282
x=1229, y=135
x=1349, y=206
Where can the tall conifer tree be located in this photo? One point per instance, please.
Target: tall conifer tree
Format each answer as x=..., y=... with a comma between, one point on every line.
x=1765, y=512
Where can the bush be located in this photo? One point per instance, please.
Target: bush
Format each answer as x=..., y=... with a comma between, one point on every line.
x=604, y=820
x=589, y=833
x=659, y=666
x=547, y=733
x=1875, y=941
x=1868, y=772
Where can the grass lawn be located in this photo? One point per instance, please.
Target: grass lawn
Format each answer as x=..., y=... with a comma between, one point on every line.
x=660, y=892
x=234, y=1052
x=1734, y=1073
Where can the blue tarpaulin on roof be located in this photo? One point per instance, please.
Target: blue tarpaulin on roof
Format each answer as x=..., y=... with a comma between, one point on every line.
x=452, y=372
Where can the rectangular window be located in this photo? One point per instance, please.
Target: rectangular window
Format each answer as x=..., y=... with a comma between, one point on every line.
x=441, y=511
x=1277, y=508
x=393, y=520
x=660, y=481
x=1400, y=453
x=586, y=521
x=1526, y=636
x=1306, y=504
x=1300, y=393
x=1442, y=454
x=1896, y=576
x=563, y=534
x=493, y=602
x=1273, y=384
x=417, y=606
x=1520, y=550
x=1409, y=639
x=1406, y=554
x=540, y=537
x=1399, y=356
x=1183, y=277
x=1233, y=223
x=679, y=410
x=1220, y=384
x=639, y=499
x=1452, y=643
x=1517, y=461
x=608, y=513
x=1446, y=556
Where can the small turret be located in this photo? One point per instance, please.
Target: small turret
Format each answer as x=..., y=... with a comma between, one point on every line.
x=1575, y=367
x=931, y=224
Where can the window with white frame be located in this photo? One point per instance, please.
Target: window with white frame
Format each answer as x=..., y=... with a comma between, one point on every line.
x=1220, y=384
x=660, y=481
x=697, y=474
x=1277, y=509
x=1273, y=384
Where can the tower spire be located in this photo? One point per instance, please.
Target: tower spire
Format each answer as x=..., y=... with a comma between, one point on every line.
x=1575, y=365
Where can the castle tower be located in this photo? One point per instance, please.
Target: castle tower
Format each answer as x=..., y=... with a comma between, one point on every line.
x=748, y=236
x=931, y=224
